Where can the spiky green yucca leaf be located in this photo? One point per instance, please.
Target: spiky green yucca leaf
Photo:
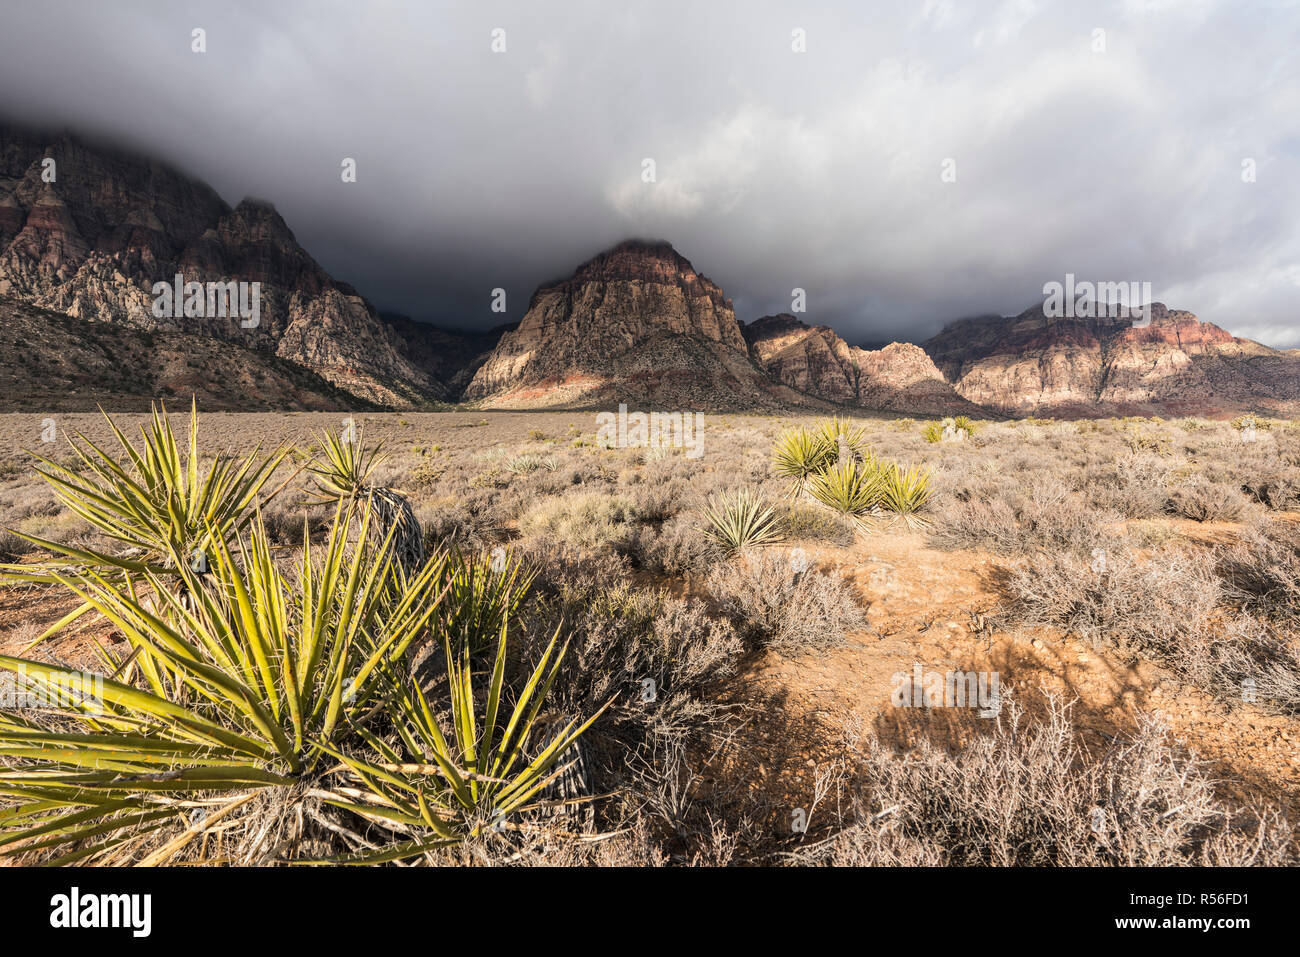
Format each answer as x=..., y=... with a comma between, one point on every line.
x=152, y=499
x=905, y=491
x=851, y=487
x=800, y=453
x=741, y=519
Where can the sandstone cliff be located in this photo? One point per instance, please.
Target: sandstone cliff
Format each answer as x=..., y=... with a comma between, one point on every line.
x=92, y=243
x=899, y=377
x=1174, y=365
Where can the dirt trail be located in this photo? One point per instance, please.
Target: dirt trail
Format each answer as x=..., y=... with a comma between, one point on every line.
x=924, y=606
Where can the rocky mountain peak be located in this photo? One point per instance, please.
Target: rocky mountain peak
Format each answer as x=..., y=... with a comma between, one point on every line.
x=577, y=328
x=653, y=261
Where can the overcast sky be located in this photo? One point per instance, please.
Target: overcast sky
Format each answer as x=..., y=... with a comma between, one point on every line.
x=775, y=169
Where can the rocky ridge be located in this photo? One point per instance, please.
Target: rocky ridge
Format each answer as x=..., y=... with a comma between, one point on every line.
x=92, y=243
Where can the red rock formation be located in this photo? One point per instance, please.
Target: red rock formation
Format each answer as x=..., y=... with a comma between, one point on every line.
x=92, y=244
x=813, y=359
x=1177, y=364
x=636, y=314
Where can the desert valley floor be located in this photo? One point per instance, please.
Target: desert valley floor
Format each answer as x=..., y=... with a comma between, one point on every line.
x=1179, y=507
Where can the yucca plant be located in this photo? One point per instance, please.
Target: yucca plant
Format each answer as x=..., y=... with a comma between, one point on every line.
x=483, y=592
x=434, y=788
x=225, y=694
x=343, y=466
x=851, y=487
x=524, y=464
x=904, y=492
x=342, y=471
x=238, y=708
x=840, y=434
x=157, y=503
x=802, y=452
x=960, y=427
x=163, y=509
x=741, y=519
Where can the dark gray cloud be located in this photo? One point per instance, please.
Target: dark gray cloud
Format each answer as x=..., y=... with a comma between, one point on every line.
x=775, y=169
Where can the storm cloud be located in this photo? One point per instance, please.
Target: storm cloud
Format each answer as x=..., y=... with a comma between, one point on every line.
x=1121, y=155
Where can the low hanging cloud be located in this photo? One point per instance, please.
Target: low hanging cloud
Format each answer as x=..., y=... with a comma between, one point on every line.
x=903, y=163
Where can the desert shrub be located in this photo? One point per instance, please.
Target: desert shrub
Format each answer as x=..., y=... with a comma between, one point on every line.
x=450, y=523
x=1169, y=608
x=285, y=526
x=658, y=502
x=1140, y=607
x=1205, y=501
x=622, y=635
x=424, y=475
x=678, y=547
x=1013, y=522
x=1277, y=490
x=1142, y=441
x=1252, y=662
x=584, y=518
x=1164, y=609
x=740, y=519
x=654, y=657
x=779, y=603
x=809, y=523
x=1262, y=572
x=1134, y=486
x=12, y=547
x=1032, y=795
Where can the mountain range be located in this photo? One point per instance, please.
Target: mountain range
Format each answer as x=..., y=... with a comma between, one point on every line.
x=84, y=240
